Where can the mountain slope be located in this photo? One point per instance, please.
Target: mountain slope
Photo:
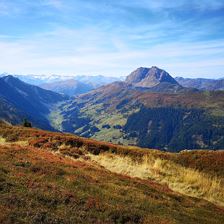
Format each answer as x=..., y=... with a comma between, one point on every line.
x=29, y=101
x=202, y=84
x=56, y=178
x=8, y=112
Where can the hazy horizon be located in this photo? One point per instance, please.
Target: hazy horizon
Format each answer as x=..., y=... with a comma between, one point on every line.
x=109, y=76
x=185, y=37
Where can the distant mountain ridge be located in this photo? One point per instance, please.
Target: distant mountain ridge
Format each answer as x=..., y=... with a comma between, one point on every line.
x=70, y=87
x=78, y=85
x=141, y=77
x=38, y=79
x=69, y=84
x=98, y=80
x=201, y=83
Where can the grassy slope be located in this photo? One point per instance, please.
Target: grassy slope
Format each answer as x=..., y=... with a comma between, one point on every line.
x=39, y=184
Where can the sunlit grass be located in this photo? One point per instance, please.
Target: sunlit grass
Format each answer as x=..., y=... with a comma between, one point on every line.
x=180, y=179
x=2, y=140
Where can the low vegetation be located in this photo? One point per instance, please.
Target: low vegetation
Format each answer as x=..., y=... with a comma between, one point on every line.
x=50, y=177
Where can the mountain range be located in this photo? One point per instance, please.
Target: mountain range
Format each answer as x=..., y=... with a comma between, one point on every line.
x=123, y=113
x=68, y=84
x=75, y=85
x=202, y=84
x=149, y=109
x=70, y=87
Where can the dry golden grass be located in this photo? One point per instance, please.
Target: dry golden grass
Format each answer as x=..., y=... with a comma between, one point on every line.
x=189, y=181
x=184, y=180
x=4, y=142
x=122, y=164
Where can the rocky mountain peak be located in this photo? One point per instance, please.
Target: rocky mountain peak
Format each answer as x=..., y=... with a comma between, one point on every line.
x=150, y=77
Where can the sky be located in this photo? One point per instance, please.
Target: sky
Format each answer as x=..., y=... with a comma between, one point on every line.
x=112, y=37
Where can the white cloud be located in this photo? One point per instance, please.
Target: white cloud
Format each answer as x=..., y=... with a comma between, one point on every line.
x=85, y=51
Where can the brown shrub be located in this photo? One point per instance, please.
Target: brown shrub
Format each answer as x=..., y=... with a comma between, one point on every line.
x=38, y=142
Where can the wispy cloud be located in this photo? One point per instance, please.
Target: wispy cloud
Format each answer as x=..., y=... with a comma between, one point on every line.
x=112, y=38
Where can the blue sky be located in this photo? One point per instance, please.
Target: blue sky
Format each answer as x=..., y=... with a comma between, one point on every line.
x=184, y=37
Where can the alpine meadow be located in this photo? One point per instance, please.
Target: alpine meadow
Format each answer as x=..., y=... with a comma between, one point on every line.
x=111, y=112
